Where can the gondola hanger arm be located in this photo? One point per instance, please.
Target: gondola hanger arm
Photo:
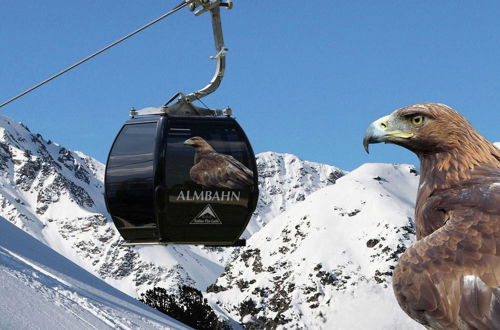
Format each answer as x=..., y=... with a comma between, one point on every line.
x=220, y=56
x=208, y=5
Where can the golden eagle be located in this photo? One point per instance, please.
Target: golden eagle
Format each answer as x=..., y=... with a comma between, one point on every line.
x=450, y=278
x=212, y=169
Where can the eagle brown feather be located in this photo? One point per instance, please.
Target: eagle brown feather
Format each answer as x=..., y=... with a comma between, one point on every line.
x=450, y=278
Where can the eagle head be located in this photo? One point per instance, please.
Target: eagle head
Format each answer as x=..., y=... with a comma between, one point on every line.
x=199, y=144
x=422, y=128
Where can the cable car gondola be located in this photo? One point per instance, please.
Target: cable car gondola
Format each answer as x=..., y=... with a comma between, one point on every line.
x=182, y=174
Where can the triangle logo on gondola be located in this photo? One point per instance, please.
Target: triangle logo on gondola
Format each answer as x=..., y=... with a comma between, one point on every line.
x=206, y=217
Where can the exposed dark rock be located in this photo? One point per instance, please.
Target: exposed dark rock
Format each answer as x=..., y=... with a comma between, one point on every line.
x=372, y=242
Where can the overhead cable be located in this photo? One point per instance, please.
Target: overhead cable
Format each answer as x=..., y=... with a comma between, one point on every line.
x=175, y=9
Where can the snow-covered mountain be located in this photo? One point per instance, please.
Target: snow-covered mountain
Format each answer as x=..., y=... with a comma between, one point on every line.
x=56, y=195
x=41, y=289
x=328, y=260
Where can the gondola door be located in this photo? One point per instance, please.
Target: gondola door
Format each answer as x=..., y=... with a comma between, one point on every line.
x=209, y=212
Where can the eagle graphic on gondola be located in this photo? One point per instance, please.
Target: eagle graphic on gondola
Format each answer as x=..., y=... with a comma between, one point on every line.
x=216, y=170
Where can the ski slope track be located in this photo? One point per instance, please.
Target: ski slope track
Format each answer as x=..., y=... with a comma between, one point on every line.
x=41, y=289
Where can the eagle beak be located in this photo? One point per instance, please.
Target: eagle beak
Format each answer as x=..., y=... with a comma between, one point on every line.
x=188, y=142
x=376, y=132
x=379, y=131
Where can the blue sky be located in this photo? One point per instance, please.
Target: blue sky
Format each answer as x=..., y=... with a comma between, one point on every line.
x=302, y=77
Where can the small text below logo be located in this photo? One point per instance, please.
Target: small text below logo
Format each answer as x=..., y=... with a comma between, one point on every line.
x=206, y=217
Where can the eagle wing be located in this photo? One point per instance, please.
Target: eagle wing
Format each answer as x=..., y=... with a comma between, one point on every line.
x=451, y=278
x=223, y=171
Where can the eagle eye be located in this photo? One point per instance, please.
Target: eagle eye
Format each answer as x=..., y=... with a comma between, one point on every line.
x=417, y=120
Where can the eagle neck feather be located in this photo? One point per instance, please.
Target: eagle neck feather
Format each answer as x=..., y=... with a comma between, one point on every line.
x=202, y=150
x=447, y=169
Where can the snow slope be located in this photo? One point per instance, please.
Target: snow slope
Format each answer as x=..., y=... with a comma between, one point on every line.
x=41, y=289
x=284, y=180
x=327, y=262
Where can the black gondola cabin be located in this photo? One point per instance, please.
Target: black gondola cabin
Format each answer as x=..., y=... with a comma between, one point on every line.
x=149, y=187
